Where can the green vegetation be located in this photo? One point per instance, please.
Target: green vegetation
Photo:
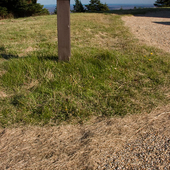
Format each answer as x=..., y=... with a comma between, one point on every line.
x=55, y=10
x=162, y=3
x=109, y=72
x=93, y=6
x=96, y=5
x=21, y=8
x=3, y=12
x=78, y=7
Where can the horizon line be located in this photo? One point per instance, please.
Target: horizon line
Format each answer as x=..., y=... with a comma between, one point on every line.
x=107, y=4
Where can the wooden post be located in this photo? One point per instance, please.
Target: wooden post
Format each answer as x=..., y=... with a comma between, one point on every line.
x=63, y=25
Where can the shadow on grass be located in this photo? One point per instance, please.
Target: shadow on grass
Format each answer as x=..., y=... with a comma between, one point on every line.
x=8, y=56
x=52, y=58
x=11, y=56
x=2, y=48
x=5, y=55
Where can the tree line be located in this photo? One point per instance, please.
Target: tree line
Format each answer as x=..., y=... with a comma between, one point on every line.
x=25, y=8
x=162, y=3
x=93, y=6
x=96, y=5
x=21, y=8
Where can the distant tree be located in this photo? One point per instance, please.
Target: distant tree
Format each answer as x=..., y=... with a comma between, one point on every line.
x=162, y=3
x=78, y=7
x=3, y=12
x=34, y=1
x=96, y=5
x=22, y=8
x=55, y=10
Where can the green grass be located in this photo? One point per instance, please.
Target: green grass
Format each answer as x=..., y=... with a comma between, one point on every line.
x=109, y=72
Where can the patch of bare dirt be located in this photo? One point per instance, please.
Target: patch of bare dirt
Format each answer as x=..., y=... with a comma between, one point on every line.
x=33, y=83
x=2, y=94
x=152, y=28
x=29, y=49
x=87, y=146
x=2, y=73
x=26, y=51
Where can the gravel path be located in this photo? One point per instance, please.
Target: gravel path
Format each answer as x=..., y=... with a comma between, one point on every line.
x=152, y=29
x=150, y=149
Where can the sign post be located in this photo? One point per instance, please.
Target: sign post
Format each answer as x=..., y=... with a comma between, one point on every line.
x=63, y=26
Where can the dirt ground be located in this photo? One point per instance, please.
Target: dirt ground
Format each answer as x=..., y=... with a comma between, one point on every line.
x=94, y=144
x=152, y=29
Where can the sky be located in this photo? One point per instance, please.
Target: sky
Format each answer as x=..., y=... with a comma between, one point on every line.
x=48, y=2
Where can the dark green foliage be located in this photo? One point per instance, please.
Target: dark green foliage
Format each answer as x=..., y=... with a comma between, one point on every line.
x=3, y=12
x=162, y=3
x=29, y=10
x=34, y=1
x=55, y=11
x=21, y=8
x=96, y=5
x=78, y=7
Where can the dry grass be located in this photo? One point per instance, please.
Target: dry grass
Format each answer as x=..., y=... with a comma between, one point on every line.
x=75, y=146
x=2, y=72
x=30, y=85
x=2, y=94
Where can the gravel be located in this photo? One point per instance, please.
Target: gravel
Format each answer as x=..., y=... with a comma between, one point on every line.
x=150, y=151
x=152, y=28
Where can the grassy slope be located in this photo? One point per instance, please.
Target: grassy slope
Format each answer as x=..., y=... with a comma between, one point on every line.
x=109, y=73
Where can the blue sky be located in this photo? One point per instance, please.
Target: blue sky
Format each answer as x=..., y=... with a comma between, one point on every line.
x=46, y=2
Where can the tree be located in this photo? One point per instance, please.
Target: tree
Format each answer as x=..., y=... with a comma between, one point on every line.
x=3, y=12
x=96, y=5
x=78, y=7
x=22, y=8
x=34, y=1
x=55, y=10
x=162, y=3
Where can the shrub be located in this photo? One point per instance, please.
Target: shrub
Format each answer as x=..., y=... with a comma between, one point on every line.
x=78, y=7
x=21, y=8
x=162, y=3
x=3, y=12
x=55, y=10
x=96, y=5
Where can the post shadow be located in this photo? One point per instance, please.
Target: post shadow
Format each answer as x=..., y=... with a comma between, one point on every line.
x=48, y=57
x=8, y=56
x=5, y=55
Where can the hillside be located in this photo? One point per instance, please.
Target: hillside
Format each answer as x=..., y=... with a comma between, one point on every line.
x=109, y=103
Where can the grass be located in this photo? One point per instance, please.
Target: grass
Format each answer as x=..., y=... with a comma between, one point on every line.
x=109, y=72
